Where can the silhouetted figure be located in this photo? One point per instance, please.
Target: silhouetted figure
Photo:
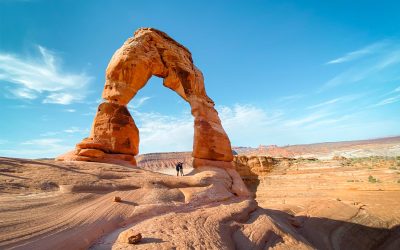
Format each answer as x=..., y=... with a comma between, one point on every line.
x=179, y=168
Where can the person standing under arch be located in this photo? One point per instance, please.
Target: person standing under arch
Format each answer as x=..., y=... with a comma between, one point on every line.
x=179, y=168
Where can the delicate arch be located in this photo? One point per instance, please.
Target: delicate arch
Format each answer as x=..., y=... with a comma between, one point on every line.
x=114, y=135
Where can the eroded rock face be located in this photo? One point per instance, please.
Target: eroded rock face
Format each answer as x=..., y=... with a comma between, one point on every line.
x=114, y=134
x=258, y=166
x=113, y=131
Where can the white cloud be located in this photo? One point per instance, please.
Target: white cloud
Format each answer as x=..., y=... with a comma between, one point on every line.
x=42, y=142
x=236, y=117
x=350, y=76
x=246, y=125
x=370, y=49
x=160, y=133
x=291, y=97
x=61, y=98
x=50, y=133
x=73, y=130
x=24, y=93
x=89, y=114
x=337, y=100
x=392, y=58
x=322, y=104
x=379, y=64
x=325, y=122
x=69, y=131
x=387, y=101
x=138, y=102
x=306, y=119
x=70, y=110
x=42, y=77
x=243, y=123
x=35, y=148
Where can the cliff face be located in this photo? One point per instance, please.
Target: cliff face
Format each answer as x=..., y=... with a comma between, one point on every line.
x=255, y=166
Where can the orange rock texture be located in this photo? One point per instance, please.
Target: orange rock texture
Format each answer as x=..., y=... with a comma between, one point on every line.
x=114, y=135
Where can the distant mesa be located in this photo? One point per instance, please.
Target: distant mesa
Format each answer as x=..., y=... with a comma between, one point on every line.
x=114, y=137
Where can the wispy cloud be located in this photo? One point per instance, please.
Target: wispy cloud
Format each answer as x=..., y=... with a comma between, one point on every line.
x=333, y=102
x=42, y=142
x=42, y=77
x=73, y=130
x=249, y=125
x=377, y=62
x=353, y=55
x=138, y=102
x=175, y=133
x=306, y=119
x=291, y=97
x=245, y=124
x=44, y=147
x=323, y=104
x=325, y=122
x=387, y=101
x=159, y=133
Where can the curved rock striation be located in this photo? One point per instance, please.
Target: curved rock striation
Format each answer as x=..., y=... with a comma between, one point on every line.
x=114, y=135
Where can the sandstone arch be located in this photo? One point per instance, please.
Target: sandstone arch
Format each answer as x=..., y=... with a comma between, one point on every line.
x=114, y=135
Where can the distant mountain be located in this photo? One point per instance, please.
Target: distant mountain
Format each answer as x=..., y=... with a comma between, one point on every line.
x=389, y=146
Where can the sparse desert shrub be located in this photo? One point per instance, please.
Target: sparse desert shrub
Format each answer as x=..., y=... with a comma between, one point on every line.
x=48, y=185
x=339, y=158
x=372, y=179
x=109, y=176
x=398, y=181
x=350, y=180
x=393, y=168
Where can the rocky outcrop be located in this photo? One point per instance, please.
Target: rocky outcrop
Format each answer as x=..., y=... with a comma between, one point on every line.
x=259, y=166
x=253, y=165
x=114, y=135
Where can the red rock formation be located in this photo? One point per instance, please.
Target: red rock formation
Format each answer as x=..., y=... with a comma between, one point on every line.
x=114, y=135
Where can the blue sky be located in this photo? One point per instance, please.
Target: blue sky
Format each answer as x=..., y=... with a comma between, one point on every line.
x=280, y=72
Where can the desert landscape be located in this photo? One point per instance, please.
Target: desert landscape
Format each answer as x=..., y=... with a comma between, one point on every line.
x=340, y=203
x=110, y=161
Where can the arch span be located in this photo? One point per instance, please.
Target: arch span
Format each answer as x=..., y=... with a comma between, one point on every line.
x=114, y=135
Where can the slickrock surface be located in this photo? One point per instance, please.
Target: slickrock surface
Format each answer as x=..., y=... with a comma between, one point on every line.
x=114, y=136
x=344, y=204
x=302, y=204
